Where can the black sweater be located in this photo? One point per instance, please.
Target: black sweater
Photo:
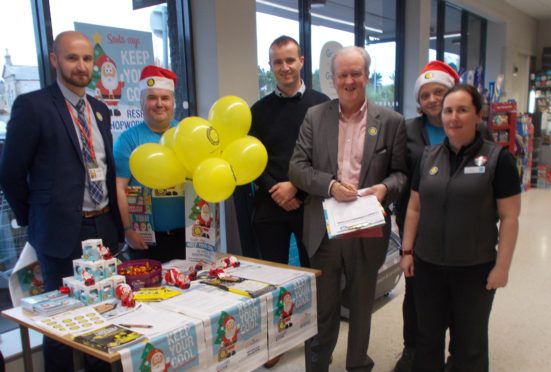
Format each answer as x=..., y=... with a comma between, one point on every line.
x=276, y=123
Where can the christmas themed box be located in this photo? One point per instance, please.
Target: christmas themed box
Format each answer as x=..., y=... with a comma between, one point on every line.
x=91, y=249
x=202, y=227
x=292, y=314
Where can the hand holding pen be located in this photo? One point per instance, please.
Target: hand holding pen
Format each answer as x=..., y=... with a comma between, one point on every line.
x=343, y=191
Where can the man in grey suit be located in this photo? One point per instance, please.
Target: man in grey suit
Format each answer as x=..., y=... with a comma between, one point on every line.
x=346, y=147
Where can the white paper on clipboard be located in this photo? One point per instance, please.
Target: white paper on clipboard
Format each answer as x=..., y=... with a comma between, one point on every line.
x=344, y=217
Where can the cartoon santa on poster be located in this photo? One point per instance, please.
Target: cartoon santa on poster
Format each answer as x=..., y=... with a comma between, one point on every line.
x=109, y=86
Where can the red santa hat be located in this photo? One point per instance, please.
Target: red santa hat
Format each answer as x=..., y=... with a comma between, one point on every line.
x=104, y=58
x=201, y=202
x=157, y=77
x=436, y=72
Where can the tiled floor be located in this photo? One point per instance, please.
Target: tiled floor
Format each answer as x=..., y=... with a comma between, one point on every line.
x=520, y=329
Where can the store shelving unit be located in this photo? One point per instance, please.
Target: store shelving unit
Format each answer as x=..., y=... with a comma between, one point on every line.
x=502, y=123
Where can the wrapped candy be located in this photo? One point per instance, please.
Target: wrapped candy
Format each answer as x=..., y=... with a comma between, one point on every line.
x=171, y=276
x=87, y=278
x=125, y=294
x=234, y=262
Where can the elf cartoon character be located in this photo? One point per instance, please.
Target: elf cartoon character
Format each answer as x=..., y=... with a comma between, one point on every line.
x=154, y=360
x=285, y=306
x=227, y=336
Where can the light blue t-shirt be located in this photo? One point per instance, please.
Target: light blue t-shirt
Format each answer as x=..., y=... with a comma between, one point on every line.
x=168, y=212
x=436, y=134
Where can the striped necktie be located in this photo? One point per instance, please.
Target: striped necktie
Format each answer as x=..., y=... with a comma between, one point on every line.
x=94, y=187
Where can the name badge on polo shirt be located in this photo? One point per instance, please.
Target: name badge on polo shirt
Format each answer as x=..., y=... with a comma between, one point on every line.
x=96, y=174
x=475, y=170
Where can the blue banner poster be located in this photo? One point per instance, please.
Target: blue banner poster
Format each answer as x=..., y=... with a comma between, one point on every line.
x=236, y=336
x=178, y=350
x=292, y=314
x=119, y=57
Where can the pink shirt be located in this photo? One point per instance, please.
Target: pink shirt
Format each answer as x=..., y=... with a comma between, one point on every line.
x=351, y=145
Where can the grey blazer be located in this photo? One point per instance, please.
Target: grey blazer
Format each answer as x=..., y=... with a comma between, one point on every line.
x=314, y=161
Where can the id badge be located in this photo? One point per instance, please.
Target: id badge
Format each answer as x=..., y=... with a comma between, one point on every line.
x=96, y=174
x=475, y=170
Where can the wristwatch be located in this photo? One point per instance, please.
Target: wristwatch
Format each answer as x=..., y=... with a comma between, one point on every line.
x=406, y=252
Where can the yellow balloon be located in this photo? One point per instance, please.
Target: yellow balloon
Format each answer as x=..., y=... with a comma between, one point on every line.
x=231, y=117
x=167, y=139
x=156, y=166
x=214, y=180
x=248, y=158
x=194, y=141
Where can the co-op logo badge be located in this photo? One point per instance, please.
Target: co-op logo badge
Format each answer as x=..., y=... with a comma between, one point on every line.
x=212, y=135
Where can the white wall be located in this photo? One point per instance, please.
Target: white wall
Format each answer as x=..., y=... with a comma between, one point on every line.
x=417, y=35
x=224, y=34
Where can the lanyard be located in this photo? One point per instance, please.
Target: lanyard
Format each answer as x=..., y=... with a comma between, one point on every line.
x=88, y=136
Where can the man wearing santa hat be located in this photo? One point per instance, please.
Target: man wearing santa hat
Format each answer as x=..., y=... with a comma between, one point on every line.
x=157, y=101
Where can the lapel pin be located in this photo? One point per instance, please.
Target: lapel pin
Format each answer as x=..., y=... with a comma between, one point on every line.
x=433, y=171
x=372, y=131
x=99, y=116
x=480, y=160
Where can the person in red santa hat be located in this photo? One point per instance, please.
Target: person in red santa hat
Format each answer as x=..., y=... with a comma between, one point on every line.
x=157, y=87
x=109, y=86
x=433, y=83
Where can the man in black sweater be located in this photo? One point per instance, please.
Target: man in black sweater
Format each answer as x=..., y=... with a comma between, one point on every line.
x=276, y=120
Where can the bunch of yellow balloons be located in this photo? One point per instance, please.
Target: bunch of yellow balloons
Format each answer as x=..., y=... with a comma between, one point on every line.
x=216, y=154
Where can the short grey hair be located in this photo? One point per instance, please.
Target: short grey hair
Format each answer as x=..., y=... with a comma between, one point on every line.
x=352, y=49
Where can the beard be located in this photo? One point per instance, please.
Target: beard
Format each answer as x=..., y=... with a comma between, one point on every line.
x=76, y=79
x=205, y=216
x=109, y=82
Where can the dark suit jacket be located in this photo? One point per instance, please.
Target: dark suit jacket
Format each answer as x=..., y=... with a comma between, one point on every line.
x=42, y=171
x=314, y=161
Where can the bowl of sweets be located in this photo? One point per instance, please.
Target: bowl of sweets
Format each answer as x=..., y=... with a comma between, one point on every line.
x=141, y=273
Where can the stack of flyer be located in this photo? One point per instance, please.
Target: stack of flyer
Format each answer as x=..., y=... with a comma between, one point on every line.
x=359, y=218
x=50, y=303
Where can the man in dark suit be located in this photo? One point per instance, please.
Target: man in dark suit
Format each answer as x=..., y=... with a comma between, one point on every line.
x=57, y=168
x=345, y=147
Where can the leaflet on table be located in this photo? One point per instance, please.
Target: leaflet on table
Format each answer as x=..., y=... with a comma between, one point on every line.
x=141, y=212
x=344, y=217
x=264, y=273
x=200, y=299
x=72, y=322
x=49, y=303
x=235, y=326
x=202, y=227
x=109, y=338
x=292, y=314
x=180, y=349
x=151, y=321
x=240, y=286
x=111, y=308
